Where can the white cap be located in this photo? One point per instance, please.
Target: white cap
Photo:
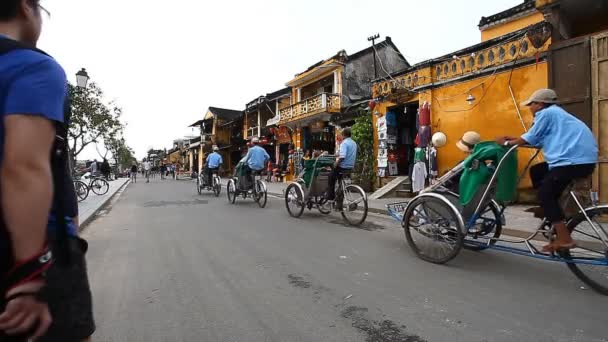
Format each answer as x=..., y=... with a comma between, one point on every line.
x=215, y=148
x=255, y=140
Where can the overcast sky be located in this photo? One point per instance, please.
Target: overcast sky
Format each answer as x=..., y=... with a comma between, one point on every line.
x=165, y=62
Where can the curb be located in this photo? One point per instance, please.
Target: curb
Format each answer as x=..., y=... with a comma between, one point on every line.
x=91, y=218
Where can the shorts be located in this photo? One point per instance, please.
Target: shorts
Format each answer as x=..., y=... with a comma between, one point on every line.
x=69, y=296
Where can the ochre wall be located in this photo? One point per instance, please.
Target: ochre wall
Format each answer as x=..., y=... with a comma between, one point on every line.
x=491, y=115
x=510, y=26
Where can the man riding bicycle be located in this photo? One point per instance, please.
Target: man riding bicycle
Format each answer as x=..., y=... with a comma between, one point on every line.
x=213, y=163
x=345, y=162
x=256, y=158
x=570, y=152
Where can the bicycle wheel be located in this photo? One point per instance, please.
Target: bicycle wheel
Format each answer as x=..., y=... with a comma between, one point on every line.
x=323, y=205
x=590, y=257
x=81, y=189
x=100, y=186
x=217, y=186
x=198, y=185
x=433, y=229
x=489, y=224
x=294, y=200
x=231, y=191
x=354, y=205
x=260, y=193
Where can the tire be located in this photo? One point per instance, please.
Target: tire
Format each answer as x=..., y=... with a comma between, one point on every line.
x=217, y=186
x=354, y=205
x=492, y=221
x=321, y=202
x=81, y=189
x=231, y=191
x=590, y=247
x=294, y=200
x=260, y=193
x=100, y=186
x=435, y=219
x=198, y=185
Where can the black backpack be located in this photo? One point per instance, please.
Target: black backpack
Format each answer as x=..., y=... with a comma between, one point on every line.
x=59, y=168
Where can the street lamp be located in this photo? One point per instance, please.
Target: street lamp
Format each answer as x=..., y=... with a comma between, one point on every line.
x=82, y=78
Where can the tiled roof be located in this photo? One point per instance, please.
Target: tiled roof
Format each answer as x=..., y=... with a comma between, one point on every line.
x=225, y=114
x=525, y=6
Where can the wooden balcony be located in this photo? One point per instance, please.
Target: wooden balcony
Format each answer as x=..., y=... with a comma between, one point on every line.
x=318, y=104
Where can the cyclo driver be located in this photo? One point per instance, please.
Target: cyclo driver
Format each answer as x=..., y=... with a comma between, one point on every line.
x=256, y=159
x=570, y=152
x=213, y=162
x=345, y=162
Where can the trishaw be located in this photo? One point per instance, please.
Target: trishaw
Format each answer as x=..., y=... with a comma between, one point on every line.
x=241, y=185
x=437, y=226
x=308, y=190
x=202, y=181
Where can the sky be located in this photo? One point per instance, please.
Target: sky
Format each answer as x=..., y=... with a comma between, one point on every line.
x=165, y=62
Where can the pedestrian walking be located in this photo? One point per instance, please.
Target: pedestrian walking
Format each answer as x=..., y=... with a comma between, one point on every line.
x=133, y=173
x=106, y=169
x=94, y=167
x=44, y=288
x=147, y=170
x=163, y=170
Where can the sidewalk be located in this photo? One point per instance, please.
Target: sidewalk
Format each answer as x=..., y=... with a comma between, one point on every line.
x=90, y=206
x=519, y=223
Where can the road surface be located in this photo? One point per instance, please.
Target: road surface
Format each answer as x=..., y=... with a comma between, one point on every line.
x=169, y=265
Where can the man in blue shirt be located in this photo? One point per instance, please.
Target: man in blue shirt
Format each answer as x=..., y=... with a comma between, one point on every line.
x=256, y=157
x=570, y=152
x=214, y=161
x=32, y=98
x=345, y=162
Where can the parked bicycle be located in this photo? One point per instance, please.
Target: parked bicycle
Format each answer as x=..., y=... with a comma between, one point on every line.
x=89, y=182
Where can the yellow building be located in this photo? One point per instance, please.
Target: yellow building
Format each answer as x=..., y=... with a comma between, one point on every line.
x=477, y=88
x=223, y=128
x=327, y=94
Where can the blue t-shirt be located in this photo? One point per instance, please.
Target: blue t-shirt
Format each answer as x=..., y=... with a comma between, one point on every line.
x=214, y=160
x=31, y=83
x=256, y=158
x=348, y=151
x=564, y=139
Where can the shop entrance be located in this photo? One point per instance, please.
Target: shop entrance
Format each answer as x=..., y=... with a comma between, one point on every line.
x=401, y=135
x=319, y=137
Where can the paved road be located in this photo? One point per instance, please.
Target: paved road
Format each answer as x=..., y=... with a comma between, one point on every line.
x=169, y=265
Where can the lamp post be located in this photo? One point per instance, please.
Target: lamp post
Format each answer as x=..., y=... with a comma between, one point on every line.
x=82, y=78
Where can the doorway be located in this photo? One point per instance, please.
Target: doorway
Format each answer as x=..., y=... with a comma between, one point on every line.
x=402, y=127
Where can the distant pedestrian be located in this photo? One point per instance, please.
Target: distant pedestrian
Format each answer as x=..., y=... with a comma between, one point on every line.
x=93, y=167
x=106, y=169
x=147, y=170
x=163, y=170
x=134, y=173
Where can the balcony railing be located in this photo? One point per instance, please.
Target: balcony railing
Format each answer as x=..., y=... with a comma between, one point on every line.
x=322, y=103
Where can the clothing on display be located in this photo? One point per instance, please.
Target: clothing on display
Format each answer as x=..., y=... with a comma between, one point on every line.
x=424, y=134
x=382, y=135
x=382, y=153
x=381, y=124
x=424, y=116
x=393, y=169
x=381, y=172
x=418, y=176
x=382, y=162
x=433, y=162
x=391, y=119
x=391, y=139
x=419, y=155
x=382, y=144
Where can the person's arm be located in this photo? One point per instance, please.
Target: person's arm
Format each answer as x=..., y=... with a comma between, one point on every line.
x=341, y=155
x=27, y=182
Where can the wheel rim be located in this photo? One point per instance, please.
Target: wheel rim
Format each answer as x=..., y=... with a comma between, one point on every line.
x=294, y=201
x=590, y=248
x=262, y=196
x=323, y=205
x=433, y=230
x=81, y=190
x=354, y=205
